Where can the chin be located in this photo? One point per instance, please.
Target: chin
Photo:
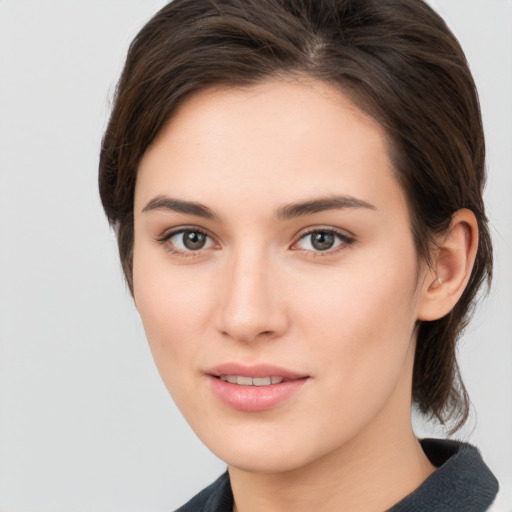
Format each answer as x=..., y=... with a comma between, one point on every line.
x=260, y=456
x=264, y=463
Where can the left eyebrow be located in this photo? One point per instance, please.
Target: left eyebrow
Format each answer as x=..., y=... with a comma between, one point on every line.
x=292, y=210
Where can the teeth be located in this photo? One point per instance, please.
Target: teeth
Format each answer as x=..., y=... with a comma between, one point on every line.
x=251, y=381
x=261, y=381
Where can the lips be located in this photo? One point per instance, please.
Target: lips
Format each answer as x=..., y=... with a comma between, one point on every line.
x=254, y=388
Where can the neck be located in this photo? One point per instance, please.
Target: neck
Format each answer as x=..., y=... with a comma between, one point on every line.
x=370, y=473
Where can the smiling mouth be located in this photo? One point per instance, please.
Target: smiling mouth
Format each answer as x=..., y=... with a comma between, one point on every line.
x=251, y=381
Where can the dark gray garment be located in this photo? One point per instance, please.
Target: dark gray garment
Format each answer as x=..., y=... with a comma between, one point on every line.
x=462, y=483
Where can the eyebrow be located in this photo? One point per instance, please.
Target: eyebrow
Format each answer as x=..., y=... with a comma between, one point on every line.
x=285, y=212
x=180, y=206
x=321, y=204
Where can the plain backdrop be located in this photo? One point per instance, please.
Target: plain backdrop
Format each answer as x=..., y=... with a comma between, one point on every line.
x=85, y=423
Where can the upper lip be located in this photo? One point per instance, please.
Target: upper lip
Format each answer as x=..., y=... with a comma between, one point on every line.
x=257, y=370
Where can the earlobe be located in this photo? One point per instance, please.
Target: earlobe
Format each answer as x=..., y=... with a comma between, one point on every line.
x=451, y=269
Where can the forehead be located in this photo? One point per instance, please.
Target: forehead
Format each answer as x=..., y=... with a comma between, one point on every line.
x=278, y=141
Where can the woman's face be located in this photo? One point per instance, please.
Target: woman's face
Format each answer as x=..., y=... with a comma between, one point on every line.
x=275, y=273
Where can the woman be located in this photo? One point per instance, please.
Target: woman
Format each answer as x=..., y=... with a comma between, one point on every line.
x=296, y=188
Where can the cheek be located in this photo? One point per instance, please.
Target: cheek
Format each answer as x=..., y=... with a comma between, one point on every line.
x=363, y=315
x=174, y=303
x=359, y=334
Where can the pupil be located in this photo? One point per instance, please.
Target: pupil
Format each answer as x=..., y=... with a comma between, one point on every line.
x=193, y=240
x=322, y=241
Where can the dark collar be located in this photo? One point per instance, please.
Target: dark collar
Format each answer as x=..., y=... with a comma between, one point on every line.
x=462, y=481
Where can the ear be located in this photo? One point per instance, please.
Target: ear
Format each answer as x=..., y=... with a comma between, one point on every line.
x=451, y=268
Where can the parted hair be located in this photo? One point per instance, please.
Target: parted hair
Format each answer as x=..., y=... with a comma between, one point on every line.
x=396, y=59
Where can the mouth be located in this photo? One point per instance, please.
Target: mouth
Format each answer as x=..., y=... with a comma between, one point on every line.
x=254, y=388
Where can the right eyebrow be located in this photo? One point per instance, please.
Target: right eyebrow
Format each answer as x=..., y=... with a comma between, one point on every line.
x=180, y=206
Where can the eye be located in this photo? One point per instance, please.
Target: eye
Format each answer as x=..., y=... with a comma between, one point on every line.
x=323, y=240
x=186, y=240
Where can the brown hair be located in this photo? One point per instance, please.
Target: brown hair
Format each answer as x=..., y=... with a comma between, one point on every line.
x=396, y=59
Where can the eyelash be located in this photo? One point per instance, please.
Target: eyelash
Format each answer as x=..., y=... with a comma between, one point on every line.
x=345, y=240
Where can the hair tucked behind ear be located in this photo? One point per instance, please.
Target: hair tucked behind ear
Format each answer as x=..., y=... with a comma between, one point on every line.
x=396, y=59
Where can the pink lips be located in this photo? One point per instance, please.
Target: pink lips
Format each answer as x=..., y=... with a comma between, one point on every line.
x=254, y=398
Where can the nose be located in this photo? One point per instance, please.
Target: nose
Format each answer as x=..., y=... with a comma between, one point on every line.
x=251, y=306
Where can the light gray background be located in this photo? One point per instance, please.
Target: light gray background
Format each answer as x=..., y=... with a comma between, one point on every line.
x=85, y=423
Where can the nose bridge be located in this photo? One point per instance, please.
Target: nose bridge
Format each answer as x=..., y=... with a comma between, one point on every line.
x=250, y=305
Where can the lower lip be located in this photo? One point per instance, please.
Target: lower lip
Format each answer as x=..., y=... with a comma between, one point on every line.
x=254, y=398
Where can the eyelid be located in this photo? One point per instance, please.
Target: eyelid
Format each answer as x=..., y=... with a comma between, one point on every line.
x=170, y=232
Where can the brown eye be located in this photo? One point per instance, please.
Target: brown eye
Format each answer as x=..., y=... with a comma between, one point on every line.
x=188, y=240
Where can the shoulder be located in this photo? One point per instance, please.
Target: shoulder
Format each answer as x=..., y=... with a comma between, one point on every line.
x=217, y=497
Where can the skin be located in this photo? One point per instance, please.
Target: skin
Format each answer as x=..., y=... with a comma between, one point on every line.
x=260, y=292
